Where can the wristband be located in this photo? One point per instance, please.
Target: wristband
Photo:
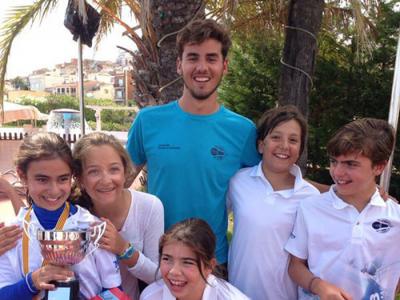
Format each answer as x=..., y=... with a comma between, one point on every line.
x=127, y=253
x=30, y=284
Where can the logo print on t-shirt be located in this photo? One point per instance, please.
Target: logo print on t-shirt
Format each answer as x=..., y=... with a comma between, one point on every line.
x=169, y=147
x=382, y=225
x=217, y=152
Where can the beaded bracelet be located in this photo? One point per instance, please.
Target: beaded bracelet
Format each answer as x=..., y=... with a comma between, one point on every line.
x=127, y=253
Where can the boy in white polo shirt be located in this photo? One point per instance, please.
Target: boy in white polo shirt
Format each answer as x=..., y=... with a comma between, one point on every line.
x=344, y=243
x=264, y=201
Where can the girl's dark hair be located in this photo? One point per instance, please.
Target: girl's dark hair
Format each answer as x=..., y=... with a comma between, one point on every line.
x=195, y=234
x=275, y=116
x=81, y=148
x=42, y=146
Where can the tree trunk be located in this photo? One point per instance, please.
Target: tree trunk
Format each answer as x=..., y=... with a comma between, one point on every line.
x=300, y=48
x=169, y=17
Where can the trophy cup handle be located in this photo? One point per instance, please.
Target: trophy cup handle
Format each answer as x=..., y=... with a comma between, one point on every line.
x=96, y=234
x=28, y=229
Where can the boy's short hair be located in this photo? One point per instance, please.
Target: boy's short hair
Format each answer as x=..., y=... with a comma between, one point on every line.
x=200, y=30
x=373, y=138
x=275, y=116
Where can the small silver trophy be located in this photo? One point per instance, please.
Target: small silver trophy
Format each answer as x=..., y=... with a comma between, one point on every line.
x=66, y=248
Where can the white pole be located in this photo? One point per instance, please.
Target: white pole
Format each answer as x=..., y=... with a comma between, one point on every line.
x=393, y=115
x=97, y=114
x=81, y=87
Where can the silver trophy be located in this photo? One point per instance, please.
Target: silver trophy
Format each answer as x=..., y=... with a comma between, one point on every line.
x=66, y=248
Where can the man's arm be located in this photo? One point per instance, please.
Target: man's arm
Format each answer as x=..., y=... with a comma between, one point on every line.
x=301, y=275
x=322, y=188
x=7, y=190
x=132, y=177
x=136, y=170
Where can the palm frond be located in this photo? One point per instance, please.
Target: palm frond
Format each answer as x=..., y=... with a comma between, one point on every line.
x=364, y=39
x=16, y=20
x=107, y=19
x=269, y=16
x=355, y=19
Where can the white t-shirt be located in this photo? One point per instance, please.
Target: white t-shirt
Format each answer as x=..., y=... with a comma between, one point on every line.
x=98, y=270
x=263, y=221
x=216, y=289
x=143, y=227
x=358, y=252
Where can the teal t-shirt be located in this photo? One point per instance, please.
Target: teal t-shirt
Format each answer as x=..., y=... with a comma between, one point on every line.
x=190, y=159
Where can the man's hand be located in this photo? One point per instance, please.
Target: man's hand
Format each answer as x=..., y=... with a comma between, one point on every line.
x=9, y=235
x=9, y=191
x=385, y=195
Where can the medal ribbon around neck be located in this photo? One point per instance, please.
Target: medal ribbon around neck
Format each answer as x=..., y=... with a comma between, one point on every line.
x=25, y=240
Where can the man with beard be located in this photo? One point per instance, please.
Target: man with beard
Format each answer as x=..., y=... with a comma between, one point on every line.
x=192, y=146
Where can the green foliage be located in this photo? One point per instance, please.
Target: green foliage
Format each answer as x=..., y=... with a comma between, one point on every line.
x=117, y=120
x=348, y=88
x=99, y=102
x=250, y=87
x=20, y=83
x=52, y=102
x=345, y=85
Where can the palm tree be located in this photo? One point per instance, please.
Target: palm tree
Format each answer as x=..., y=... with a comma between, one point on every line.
x=159, y=21
x=145, y=59
x=301, y=21
x=154, y=36
x=19, y=18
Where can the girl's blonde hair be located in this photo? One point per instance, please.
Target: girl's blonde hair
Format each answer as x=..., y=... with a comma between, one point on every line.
x=94, y=139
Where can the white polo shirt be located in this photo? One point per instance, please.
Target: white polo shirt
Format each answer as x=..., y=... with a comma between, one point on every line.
x=358, y=252
x=263, y=221
x=98, y=270
x=216, y=289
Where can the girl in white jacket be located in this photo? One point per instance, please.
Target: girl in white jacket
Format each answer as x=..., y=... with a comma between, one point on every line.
x=45, y=166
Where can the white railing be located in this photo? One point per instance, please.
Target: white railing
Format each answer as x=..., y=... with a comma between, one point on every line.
x=20, y=133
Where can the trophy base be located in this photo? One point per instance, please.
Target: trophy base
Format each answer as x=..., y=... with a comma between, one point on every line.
x=65, y=291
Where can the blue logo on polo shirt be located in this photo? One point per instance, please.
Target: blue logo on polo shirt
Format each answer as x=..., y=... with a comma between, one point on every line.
x=374, y=291
x=116, y=265
x=382, y=225
x=217, y=152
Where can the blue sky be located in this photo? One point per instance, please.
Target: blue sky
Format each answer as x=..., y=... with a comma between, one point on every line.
x=48, y=43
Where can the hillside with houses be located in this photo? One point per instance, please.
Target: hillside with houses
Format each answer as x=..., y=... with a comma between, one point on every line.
x=102, y=80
